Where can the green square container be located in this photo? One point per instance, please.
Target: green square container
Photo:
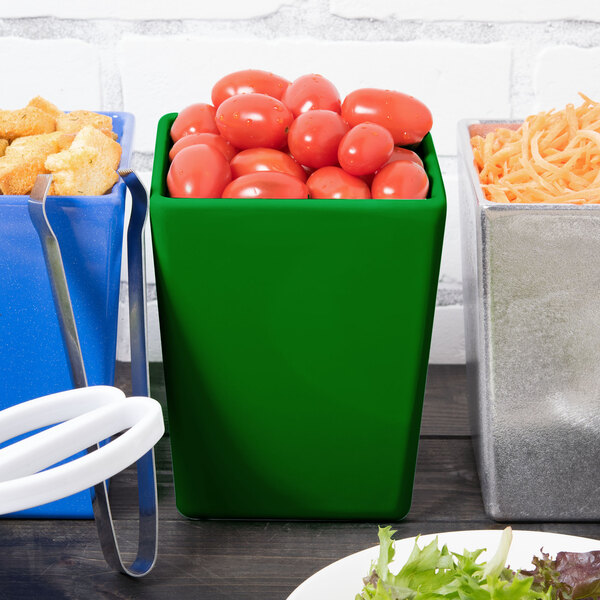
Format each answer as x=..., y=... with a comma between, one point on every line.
x=295, y=337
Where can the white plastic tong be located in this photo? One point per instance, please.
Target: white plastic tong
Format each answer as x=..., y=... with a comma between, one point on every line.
x=88, y=415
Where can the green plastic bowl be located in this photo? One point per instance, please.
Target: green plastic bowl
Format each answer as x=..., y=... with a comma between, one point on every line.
x=295, y=338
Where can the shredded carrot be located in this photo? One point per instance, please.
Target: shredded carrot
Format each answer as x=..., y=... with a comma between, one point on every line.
x=554, y=157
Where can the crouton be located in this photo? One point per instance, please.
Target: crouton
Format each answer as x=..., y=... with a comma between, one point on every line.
x=74, y=121
x=78, y=148
x=25, y=121
x=110, y=150
x=40, y=145
x=18, y=176
x=88, y=167
x=46, y=106
x=24, y=160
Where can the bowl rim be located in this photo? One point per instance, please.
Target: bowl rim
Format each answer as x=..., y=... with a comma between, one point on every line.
x=436, y=198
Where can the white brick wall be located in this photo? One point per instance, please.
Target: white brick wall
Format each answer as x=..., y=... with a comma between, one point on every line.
x=467, y=10
x=426, y=70
x=50, y=68
x=137, y=10
x=464, y=58
x=561, y=71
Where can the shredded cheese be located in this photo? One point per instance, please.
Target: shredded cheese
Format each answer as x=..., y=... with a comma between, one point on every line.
x=554, y=157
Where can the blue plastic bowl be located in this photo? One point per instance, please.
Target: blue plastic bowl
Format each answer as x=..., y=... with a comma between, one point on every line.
x=33, y=362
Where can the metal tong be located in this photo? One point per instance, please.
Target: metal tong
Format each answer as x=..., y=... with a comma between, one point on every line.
x=146, y=473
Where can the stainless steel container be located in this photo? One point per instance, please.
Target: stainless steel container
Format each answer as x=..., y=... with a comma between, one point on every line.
x=531, y=279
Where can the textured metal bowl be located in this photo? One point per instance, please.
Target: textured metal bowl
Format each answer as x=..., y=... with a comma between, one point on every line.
x=531, y=279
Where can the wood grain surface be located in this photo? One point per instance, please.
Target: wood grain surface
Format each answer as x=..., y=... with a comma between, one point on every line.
x=253, y=560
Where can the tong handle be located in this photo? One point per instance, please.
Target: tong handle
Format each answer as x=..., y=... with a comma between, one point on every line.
x=27, y=475
x=136, y=270
x=58, y=279
x=148, y=500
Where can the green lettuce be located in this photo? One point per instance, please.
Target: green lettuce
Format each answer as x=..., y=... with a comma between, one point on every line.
x=433, y=573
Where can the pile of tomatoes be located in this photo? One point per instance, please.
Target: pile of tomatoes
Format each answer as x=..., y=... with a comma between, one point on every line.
x=266, y=137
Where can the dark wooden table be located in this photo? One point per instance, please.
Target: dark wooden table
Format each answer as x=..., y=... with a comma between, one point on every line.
x=243, y=559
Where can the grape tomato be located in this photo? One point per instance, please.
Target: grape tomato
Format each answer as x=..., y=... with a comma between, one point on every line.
x=404, y=154
x=406, y=118
x=196, y=118
x=314, y=138
x=404, y=180
x=247, y=82
x=210, y=139
x=265, y=159
x=254, y=121
x=365, y=148
x=198, y=171
x=266, y=184
x=335, y=183
x=312, y=92
x=266, y=137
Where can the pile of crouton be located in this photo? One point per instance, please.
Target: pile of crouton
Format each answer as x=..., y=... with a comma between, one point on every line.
x=78, y=148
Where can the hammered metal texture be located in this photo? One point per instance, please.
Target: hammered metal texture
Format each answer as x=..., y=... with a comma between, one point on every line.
x=532, y=322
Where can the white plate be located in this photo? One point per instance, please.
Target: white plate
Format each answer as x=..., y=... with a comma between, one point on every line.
x=342, y=580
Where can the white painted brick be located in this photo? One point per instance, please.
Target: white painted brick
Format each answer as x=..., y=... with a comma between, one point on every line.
x=141, y=9
x=562, y=72
x=446, y=76
x=468, y=10
x=451, y=263
x=66, y=72
x=448, y=336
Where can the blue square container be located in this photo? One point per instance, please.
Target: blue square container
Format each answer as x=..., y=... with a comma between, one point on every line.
x=33, y=361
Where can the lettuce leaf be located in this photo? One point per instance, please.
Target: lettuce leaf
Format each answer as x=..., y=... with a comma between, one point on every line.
x=573, y=575
x=433, y=573
x=580, y=571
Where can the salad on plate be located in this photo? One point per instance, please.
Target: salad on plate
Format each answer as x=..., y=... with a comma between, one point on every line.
x=432, y=573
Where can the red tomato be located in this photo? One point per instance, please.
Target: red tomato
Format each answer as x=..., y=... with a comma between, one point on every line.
x=265, y=159
x=254, y=121
x=248, y=82
x=404, y=154
x=314, y=138
x=196, y=118
x=266, y=184
x=398, y=154
x=365, y=148
x=401, y=179
x=405, y=117
x=312, y=92
x=198, y=171
x=210, y=139
x=333, y=182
